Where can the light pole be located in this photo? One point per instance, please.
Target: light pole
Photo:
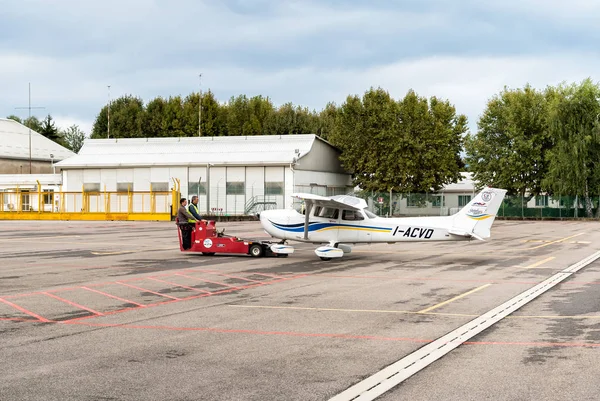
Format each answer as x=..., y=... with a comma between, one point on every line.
x=108, y=111
x=200, y=108
x=52, y=162
x=29, y=121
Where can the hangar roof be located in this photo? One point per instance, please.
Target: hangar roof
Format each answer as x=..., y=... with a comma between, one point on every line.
x=14, y=143
x=182, y=151
x=465, y=184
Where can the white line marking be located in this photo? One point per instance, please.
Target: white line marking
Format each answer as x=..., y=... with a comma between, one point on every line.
x=389, y=377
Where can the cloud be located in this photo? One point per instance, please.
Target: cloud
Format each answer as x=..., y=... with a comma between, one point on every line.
x=306, y=52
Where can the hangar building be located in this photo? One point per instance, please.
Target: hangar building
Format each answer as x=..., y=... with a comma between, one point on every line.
x=232, y=175
x=14, y=150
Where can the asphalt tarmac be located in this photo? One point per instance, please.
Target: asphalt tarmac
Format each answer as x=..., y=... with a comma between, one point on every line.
x=114, y=311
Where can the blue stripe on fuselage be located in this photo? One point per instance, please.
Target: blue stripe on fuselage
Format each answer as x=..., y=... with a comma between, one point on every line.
x=315, y=226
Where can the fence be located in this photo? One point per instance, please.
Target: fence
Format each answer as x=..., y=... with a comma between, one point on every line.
x=59, y=205
x=445, y=204
x=227, y=199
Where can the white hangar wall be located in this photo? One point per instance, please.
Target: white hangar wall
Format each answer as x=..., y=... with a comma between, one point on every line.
x=228, y=190
x=230, y=175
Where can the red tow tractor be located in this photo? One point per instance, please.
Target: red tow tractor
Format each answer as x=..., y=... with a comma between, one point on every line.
x=208, y=241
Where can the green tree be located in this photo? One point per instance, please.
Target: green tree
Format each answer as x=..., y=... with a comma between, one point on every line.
x=411, y=145
x=214, y=116
x=49, y=130
x=261, y=114
x=326, y=120
x=15, y=118
x=126, y=119
x=73, y=138
x=154, y=115
x=174, y=122
x=34, y=123
x=510, y=147
x=239, y=116
x=292, y=120
x=574, y=125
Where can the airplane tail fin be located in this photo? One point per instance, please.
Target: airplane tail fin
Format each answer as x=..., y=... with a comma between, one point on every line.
x=476, y=219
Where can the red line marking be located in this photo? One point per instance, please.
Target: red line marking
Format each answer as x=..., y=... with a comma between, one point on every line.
x=327, y=335
x=424, y=279
x=259, y=332
x=179, y=285
x=208, y=281
x=114, y=296
x=73, y=303
x=269, y=275
x=146, y=290
x=226, y=275
x=38, y=317
x=106, y=313
x=182, y=299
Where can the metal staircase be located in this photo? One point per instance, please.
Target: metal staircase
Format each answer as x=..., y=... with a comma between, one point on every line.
x=259, y=203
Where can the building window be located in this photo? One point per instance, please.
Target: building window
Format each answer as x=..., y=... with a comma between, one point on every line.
x=235, y=188
x=412, y=201
x=48, y=196
x=541, y=200
x=124, y=186
x=437, y=200
x=463, y=200
x=273, y=188
x=197, y=188
x=91, y=187
x=159, y=186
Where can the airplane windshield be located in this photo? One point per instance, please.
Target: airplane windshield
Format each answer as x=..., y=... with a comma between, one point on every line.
x=369, y=214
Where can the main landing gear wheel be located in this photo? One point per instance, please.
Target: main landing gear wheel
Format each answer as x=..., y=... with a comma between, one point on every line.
x=256, y=250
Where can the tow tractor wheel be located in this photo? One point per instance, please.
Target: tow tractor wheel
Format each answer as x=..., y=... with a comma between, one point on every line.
x=256, y=250
x=208, y=253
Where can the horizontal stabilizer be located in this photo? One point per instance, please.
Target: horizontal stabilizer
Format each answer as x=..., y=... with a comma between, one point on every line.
x=465, y=234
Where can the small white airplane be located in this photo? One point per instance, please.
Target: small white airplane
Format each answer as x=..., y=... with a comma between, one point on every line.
x=342, y=220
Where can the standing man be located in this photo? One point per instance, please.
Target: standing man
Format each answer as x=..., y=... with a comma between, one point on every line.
x=194, y=208
x=185, y=218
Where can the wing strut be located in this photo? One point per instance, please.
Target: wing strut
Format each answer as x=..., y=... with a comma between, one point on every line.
x=309, y=205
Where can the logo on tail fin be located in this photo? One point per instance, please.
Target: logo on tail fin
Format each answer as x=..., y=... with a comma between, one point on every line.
x=486, y=196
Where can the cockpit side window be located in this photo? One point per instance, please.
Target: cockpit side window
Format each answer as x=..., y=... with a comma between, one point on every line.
x=352, y=215
x=329, y=213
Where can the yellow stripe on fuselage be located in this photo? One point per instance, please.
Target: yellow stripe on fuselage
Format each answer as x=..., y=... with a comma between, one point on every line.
x=355, y=229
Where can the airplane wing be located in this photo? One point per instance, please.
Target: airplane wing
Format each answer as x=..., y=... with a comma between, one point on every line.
x=338, y=201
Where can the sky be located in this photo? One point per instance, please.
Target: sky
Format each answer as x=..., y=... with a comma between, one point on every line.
x=307, y=52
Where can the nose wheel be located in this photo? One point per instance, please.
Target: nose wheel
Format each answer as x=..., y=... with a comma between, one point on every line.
x=256, y=250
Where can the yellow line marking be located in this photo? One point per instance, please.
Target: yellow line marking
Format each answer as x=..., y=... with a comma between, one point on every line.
x=454, y=299
x=112, y=253
x=325, y=309
x=538, y=263
x=546, y=241
x=442, y=314
x=36, y=238
x=555, y=242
